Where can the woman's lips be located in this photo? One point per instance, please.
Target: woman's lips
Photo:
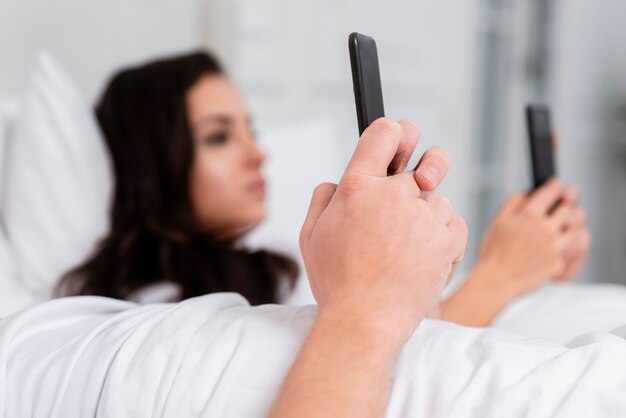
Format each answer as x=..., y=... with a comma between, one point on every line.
x=257, y=188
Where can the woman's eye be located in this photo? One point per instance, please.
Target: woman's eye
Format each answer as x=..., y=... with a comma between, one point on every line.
x=216, y=138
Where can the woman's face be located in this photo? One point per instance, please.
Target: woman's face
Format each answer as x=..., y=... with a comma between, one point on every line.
x=227, y=187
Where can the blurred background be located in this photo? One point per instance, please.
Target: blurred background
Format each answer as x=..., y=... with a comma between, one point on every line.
x=463, y=70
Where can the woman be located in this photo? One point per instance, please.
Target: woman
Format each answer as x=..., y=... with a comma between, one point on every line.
x=188, y=186
x=357, y=354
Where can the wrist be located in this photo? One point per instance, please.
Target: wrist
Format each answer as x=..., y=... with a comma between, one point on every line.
x=344, y=368
x=480, y=298
x=488, y=277
x=366, y=327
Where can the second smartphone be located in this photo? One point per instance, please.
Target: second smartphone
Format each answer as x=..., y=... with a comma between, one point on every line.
x=541, y=144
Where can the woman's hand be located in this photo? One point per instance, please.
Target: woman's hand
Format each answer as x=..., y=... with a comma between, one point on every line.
x=525, y=244
x=530, y=241
x=578, y=239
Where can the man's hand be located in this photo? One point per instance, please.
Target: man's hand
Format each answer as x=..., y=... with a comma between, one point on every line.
x=378, y=251
x=377, y=245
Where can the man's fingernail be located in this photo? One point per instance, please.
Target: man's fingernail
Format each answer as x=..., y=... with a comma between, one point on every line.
x=430, y=173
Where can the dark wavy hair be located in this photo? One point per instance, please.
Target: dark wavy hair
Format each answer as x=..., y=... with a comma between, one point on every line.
x=154, y=234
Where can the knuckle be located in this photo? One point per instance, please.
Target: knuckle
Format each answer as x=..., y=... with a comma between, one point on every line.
x=440, y=153
x=531, y=214
x=325, y=187
x=555, y=186
x=409, y=122
x=442, y=201
x=414, y=125
x=444, y=238
x=460, y=233
x=424, y=208
x=464, y=229
x=387, y=125
x=349, y=185
x=320, y=188
x=449, y=244
x=548, y=229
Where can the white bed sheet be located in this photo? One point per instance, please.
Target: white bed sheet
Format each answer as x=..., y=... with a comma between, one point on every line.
x=214, y=356
x=560, y=311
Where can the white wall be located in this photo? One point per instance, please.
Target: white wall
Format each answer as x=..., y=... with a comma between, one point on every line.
x=589, y=78
x=92, y=38
x=587, y=75
x=290, y=59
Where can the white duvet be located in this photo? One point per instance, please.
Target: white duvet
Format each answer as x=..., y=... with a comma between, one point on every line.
x=215, y=356
x=561, y=311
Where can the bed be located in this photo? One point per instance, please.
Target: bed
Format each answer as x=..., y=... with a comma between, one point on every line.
x=215, y=356
x=557, y=352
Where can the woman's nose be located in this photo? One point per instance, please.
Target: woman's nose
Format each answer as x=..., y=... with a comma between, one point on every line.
x=255, y=154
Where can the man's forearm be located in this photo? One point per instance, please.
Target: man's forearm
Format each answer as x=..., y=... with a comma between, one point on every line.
x=343, y=370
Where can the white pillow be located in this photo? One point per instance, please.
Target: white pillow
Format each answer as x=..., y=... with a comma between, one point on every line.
x=313, y=150
x=12, y=295
x=8, y=110
x=58, y=180
x=560, y=312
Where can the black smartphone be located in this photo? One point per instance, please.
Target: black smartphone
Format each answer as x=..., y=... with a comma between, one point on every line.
x=541, y=145
x=368, y=92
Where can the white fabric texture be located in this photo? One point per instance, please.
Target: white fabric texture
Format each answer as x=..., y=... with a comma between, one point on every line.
x=8, y=111
x=13, y=296
x=560, y=311
x=58, y=181
x=214, y=356
x=162, y=292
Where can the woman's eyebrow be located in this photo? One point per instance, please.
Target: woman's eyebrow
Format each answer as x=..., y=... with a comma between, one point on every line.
x=221, y=119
